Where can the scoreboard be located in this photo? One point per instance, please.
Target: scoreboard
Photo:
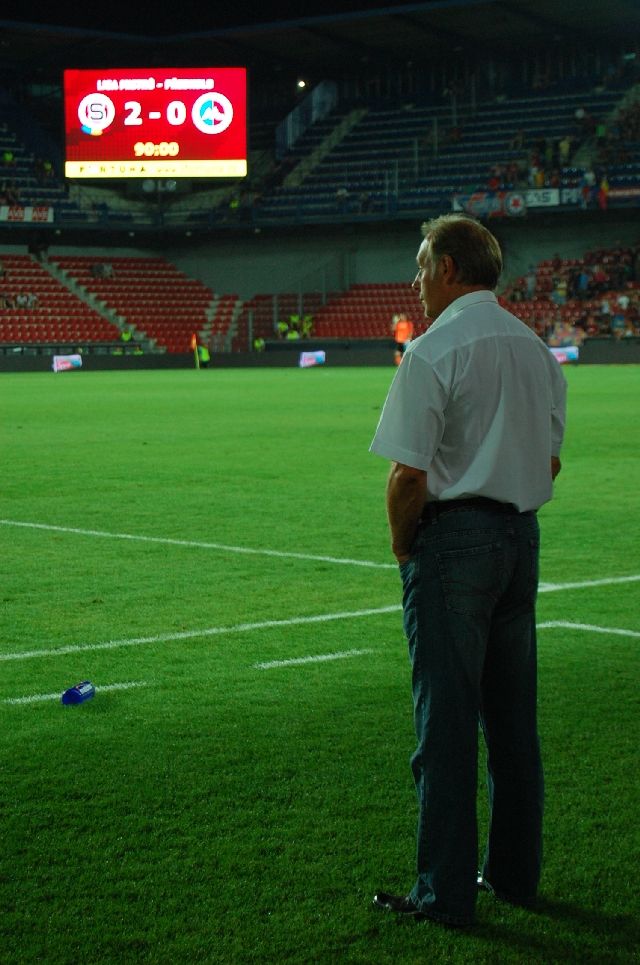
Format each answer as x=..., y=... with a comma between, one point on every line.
x=157, y=122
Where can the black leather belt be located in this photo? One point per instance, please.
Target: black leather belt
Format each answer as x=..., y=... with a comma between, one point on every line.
x=436, y=508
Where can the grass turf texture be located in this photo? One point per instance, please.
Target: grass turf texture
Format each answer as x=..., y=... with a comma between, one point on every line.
x=223, y=813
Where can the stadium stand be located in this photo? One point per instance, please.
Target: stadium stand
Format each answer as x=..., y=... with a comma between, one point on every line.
x=567, y=300
x=401, y=158
x=35, y=307
x=371, y=162
x=366, y=311
x=420, y=157
x=151, y=297
x=559, y=312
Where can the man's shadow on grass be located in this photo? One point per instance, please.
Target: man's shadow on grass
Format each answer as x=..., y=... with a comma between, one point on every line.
x=590, y=934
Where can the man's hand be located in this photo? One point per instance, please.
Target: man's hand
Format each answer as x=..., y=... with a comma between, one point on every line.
x=406, y=496
x=556, y=466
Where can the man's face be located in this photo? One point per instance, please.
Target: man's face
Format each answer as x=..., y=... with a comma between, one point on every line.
x=429, y=283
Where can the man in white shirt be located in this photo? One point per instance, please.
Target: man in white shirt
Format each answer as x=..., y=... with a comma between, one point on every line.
x=473, y=424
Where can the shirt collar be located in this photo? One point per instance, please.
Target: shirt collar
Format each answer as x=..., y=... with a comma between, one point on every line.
x=464, y=301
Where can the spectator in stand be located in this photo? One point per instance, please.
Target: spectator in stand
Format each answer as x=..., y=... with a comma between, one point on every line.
x=533, y=172
x=587, y=185
x=102, y=269
x=601, y=133
x=591, y=326
x=11, y=192
x=571, y=275
x=342, y=198
x=584, y=279
x=365, y=202
x=604, y=321
x=623, y=301
x=512, y=175
x=599, y=280
x=565, y=334
x=564, y=150
x=585, y=122
x=531, y=281
x=618, y=324
x=517, y=292
x=494, y=182
x=603, y=193
x=559, y=293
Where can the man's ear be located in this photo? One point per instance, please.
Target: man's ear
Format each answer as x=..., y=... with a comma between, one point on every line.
x=448, y=268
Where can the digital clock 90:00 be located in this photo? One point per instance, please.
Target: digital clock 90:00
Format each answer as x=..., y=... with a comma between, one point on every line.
x=163, y=149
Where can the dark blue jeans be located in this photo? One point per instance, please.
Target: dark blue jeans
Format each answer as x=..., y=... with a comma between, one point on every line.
x=469, y=595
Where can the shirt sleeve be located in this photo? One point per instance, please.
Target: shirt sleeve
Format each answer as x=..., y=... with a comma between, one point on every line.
x=412, y=420
x=558, y=408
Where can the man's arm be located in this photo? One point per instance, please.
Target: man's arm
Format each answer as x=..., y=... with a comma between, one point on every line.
x=406, y=496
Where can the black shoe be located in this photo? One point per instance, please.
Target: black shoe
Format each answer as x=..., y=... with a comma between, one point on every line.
x=400, y=905
x=406, y=907
x=482, y=884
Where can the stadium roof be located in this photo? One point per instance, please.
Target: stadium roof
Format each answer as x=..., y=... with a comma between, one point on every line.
x=329, y=37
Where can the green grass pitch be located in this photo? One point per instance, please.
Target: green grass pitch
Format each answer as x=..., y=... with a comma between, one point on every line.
x=220, y=811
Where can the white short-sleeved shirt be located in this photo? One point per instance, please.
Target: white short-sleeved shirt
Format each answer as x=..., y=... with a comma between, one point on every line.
x=478, y=402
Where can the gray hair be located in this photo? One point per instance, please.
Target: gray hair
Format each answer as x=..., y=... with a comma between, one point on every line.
x=474, y=250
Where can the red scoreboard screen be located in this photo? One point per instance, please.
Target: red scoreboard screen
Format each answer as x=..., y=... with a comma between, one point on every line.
x=156, y=122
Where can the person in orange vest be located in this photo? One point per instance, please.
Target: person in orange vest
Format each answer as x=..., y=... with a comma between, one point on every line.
x=402, y=328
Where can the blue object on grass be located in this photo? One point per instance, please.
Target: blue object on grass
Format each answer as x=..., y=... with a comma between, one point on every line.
x=79, y=693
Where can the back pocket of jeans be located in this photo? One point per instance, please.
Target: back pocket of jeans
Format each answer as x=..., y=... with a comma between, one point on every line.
x=471, y=578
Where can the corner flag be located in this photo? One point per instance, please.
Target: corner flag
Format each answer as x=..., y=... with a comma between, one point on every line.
x=194, y=349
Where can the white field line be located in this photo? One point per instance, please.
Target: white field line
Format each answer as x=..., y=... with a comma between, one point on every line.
x=35, y=698
x=194, y=634
x=318, y=658
x=585, y=584
x=197, y=544
x=552, y=624
x=271, y=664
x=253, y=551
x=263, y=625
x=589, y=627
